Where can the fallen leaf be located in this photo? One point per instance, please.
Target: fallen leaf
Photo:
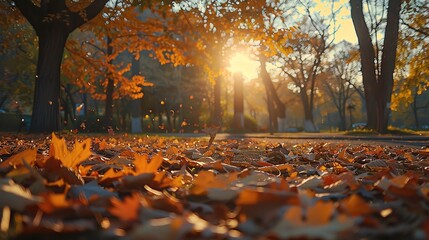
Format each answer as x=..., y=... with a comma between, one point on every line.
x=89, y=190
x=144, y=165
x=127, y=210
x=80, y=152
x=355, y=206
x=174, y=227
x=320, y=213
x=28, y=155
x=311, y=182
x=15, y=196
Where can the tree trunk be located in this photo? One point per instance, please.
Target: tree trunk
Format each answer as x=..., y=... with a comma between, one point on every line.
x=270, y=107
x=238, y=101
x=309, y=125
x=378, y=89
x=168, y=116
x=136, y=111
x=367, y=55
x=217, y=112
x=108, y=112
x=388, y=60
x=280, y=106
x=416, y=110
x=46, y=114
x=52, y=35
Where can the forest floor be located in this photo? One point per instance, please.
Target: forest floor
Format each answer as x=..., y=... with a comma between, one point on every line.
x=304, y=186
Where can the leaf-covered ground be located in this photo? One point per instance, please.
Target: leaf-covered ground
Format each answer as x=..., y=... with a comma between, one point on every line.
x=126, y=187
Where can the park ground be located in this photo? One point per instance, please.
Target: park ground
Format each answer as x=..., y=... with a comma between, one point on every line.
x=240, y=186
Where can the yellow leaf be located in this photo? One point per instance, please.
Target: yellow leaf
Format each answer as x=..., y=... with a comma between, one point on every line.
x=80, y=152
x=143, y=166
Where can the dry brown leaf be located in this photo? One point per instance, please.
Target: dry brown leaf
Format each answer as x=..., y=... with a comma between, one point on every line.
x=320, y=213
x=355, y=206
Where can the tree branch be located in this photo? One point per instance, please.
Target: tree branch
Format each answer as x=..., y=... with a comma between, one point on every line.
x=31, y=12
x=79, y=18
x=421, y=31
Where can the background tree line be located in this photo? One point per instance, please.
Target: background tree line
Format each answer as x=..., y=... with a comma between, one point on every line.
x=164, y=65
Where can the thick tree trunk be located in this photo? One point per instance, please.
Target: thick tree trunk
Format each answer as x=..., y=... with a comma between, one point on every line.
x=343, y=125
x=46, y=115
x=388, y=60
x=309, y=125
x=378, y=89
x=367, y=55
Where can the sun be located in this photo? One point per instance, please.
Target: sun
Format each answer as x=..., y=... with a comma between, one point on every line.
x=242, y=63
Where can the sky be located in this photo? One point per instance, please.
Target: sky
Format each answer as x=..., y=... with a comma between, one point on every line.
x=240, y=62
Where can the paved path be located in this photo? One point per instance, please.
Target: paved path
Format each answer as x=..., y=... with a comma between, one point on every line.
x=391, y=140
x=417, y=141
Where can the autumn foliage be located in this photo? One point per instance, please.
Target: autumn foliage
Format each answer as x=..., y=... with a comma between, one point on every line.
x=158, y=188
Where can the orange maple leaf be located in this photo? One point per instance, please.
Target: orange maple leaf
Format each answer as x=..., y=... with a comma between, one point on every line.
x=127, y=210
x=80, y=152
x=142, y=164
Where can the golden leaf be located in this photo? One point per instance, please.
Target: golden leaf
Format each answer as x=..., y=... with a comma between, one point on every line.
x=80, y=152
x=143, y=166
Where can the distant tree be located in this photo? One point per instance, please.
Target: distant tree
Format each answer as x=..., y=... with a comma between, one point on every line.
x=304, y=65
x=377, y=60
x=412, y=74
x=339, y=78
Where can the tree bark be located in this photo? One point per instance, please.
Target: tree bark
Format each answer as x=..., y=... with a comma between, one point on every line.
x=46, y=108
x=367, y=55
x=388, y=60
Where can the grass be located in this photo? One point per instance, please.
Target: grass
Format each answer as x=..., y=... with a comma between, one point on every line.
x=390, y=131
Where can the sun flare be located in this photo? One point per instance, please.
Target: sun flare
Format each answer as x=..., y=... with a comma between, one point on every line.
x=242, y=63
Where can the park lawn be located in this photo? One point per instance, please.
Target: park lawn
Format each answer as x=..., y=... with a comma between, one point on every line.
x=148, y=187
